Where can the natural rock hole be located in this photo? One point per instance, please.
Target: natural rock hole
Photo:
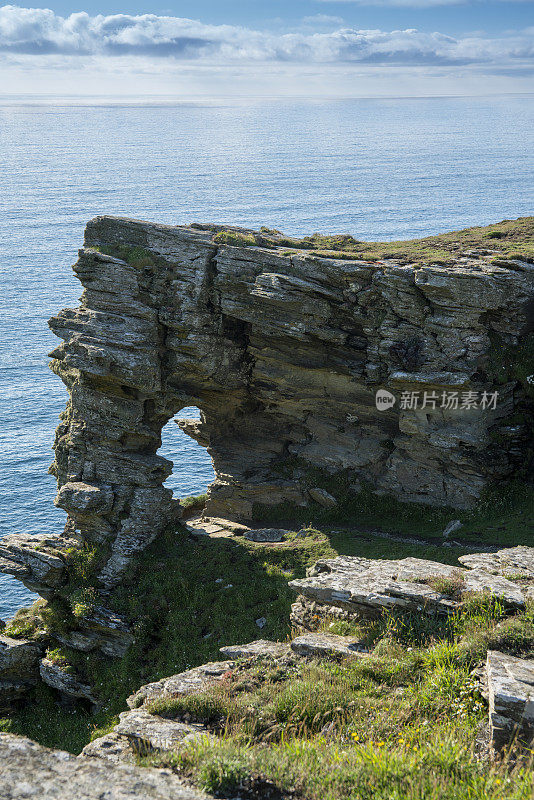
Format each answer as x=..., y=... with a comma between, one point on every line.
x=192, y=466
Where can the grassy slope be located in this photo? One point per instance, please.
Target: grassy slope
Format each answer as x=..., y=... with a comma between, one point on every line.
x=398, y=725
x=182, y=615
x=503, y=240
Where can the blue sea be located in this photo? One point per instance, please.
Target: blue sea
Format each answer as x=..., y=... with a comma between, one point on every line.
x=379, y=169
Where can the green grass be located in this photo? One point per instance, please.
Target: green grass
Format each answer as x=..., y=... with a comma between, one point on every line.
x=135, y=256
x=194, y=503
x=319, y=769
x=504, y=516
x=180, y=615
x=401, y=723
x=507, y=239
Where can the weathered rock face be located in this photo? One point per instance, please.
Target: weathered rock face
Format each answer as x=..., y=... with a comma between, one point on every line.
x=184, y=683
x=40, y=562
x=283, y=353
x=65, y=682
x=29, y=770
x=511, y=700
x=19, y=670
x=353, y=587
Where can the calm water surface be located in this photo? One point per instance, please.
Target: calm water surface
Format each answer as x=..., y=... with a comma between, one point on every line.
x=380, y=169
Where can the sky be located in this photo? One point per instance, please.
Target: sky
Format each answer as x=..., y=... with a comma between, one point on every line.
x=205, y=49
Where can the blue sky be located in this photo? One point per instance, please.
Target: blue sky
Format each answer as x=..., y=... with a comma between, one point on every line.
x=451, y=17
x=204, y=48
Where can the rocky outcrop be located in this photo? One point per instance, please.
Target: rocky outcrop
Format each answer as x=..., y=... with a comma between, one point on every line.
x=265, y=534
x=19, y=670
x=513, y=562
x=327, y=645
x=510, y=686
x=184, y=683
x=101, y=629
x=29, y=770
x=283, y=351
x=65, y=681
x=40, y=562
x=361, y=587
x=146, y=732
x=142, y=730
x=261, y=648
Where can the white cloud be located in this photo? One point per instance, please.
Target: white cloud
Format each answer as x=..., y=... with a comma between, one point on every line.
x=41, y=32
x=42, y=52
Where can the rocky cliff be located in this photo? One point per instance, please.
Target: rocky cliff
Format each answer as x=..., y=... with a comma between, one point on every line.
x=283, y=348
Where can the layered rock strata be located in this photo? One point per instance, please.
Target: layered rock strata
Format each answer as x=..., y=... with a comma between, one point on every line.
x=510, y=684
x=19, y=670
x=352, y=587
x=283, y=352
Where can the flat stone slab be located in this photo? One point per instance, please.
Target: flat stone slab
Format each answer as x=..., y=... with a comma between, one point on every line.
x=110, y=747
x=368, y=587
x=510, y=684
x=215, y=527
x=147, y=732
x=31, y=771
x=235, y=527
x=348, y=564
x=327, y=645
x=512, y=562
x=265, y=534
x=261, y=648
x=193, y=680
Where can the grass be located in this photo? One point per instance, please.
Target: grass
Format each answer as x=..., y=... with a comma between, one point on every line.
x=453, y=587
x=135, y=256
x=181, y=616
x=319, y=769
x=401, y=723
x=504, y=516
x=193, y=504
x=501, y=241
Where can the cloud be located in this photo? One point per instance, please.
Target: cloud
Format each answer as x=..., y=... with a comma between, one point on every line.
x=40, y=32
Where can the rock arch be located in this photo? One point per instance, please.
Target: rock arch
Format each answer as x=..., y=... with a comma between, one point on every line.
x=282, y=351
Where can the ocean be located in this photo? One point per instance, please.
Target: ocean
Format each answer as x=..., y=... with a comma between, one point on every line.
x=379, y=169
